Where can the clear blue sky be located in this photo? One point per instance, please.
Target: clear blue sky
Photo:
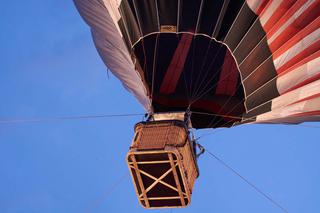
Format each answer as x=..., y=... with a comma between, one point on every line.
x=49, y=68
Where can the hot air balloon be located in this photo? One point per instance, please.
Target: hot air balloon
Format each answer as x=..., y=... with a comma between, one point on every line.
x=205, y=64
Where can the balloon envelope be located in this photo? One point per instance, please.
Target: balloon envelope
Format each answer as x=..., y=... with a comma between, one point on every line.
x=229, y=62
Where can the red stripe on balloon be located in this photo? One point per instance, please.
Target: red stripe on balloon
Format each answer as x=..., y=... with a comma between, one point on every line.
x=227, y=84
x=301, y=22
x=306, y=99
x=285, y=17
x=278, y=13
x=300, y=63
x=263, y=7
x=317, y=112
x=303, y=83
x=175, y=68
x=299, y=57
x=295, y=39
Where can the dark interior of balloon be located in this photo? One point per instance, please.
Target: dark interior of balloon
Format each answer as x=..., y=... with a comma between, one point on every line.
x=202, y=60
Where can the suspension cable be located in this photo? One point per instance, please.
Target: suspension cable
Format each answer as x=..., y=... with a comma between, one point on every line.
x=82, y=117
x=252, y=185
x=97, y=202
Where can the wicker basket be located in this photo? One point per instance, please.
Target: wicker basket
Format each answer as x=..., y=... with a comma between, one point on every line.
x=162, y=164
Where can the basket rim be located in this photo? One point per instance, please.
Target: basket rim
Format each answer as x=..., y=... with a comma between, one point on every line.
x=175, y=122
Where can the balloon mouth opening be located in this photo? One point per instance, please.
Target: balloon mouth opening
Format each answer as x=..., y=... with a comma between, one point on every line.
x=186, y=70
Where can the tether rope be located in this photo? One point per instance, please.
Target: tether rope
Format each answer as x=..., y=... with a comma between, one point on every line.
x=82, y=117
x=269, y=198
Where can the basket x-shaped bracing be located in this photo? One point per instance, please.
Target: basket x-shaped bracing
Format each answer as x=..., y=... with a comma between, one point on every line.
x=159, y=180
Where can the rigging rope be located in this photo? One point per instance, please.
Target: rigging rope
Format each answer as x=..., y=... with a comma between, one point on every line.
x=198, y=94
x=247, y=181
x=107, y=193
x=29, y=120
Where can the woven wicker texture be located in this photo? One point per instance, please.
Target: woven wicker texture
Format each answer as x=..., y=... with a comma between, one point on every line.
x=157, y=135
x=152, y=146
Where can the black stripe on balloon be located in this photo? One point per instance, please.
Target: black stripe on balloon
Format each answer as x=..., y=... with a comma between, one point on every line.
x=130, y=20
